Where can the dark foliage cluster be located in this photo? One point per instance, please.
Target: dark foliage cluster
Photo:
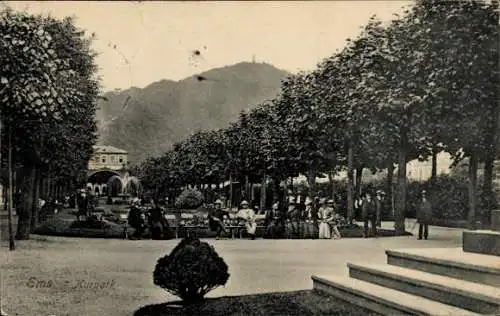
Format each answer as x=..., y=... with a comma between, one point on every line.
x=191, y=270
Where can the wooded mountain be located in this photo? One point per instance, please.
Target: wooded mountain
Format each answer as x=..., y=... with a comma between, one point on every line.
x=146, y=122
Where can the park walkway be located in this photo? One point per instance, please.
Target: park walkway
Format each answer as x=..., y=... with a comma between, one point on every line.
x=255, y=267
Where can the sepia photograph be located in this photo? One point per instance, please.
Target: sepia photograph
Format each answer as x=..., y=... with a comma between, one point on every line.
x=242, y=158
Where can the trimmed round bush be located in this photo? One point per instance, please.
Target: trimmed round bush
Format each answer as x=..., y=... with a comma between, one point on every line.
x=190, y=199
x=191, y=270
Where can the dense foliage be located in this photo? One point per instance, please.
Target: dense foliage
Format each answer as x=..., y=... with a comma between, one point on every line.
x=425, y=82
x=48, y=97
x=191, y=270
x=189, y=198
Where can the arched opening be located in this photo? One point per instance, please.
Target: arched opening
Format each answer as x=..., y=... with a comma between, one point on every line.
x=115, y=186
x=100, y=181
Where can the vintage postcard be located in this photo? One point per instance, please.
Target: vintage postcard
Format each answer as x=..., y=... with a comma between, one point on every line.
x=249, y=158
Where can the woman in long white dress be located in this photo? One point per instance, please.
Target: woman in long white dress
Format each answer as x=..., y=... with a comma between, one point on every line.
x=325, y=216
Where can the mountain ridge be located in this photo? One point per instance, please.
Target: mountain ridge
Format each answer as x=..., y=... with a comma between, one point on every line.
x=147, y=121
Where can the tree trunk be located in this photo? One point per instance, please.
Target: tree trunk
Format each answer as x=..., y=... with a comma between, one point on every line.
x=311, y=182
x=26, y=203
x=330, y=180
x=247, y=188
x=400, y=211
x=12, y=245
x=390, y=188
x=489, y=201
x=35, y=210
x=434, y=166
x=263, y=193
x=359, y=177
x=471, y=217
x=230, y=191
x=350, y=184
x=488, y=196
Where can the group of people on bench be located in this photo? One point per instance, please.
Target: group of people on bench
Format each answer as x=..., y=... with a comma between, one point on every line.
x=294, y=223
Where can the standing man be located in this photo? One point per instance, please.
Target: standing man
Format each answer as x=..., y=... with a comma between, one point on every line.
x=248, y=215
x=293, y=219
x=156, y=220
x=369, y=212
x=83, y=204
x=379, y=201
x=216, y=218
x=137, y=219
x=424, y=216
x=274, y=225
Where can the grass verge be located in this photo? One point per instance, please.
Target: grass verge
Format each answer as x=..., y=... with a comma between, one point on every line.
x=307, y=302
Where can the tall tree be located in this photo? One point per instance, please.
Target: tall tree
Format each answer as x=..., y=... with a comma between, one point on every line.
x=48, y=78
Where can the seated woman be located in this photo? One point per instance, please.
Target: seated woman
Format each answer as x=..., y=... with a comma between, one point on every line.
x=248, y=215
x=292, y=219
x=335, y=219
x=325, y=216
x=310, y=223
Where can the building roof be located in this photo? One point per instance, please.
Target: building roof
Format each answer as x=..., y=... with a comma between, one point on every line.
x=108, y=150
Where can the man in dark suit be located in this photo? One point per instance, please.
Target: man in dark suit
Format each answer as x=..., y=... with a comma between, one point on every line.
x=424, y=216
x=83, y=202
x=216, y=218
x=369, y=213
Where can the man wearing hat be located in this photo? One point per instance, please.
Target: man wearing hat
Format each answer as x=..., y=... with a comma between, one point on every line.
x=216, y=218
x=369, y=213
x=83, y=203
x=136, y=219
x=248, y=215
x=424, y=216
x=379, y=202
x=274, y=225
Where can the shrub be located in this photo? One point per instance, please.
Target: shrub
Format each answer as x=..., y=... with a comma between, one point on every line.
x=189, y=198
x=449, y=197
x=191, y=270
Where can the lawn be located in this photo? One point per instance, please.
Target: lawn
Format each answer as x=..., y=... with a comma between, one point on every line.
x=306, y=302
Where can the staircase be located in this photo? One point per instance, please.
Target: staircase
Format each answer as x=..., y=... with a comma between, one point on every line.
x=440, y=281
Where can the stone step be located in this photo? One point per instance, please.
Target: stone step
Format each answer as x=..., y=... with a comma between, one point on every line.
x=382, y=300
x=481, y=241
x=471, y=296
x=451, y=262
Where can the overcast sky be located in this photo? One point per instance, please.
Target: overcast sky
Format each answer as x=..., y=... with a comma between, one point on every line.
x=156, y=40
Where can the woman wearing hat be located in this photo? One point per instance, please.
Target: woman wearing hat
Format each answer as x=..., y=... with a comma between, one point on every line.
x=309, y=216
x=248, y=215
x=292, y=219
x=336, y=219
x=325, y=216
